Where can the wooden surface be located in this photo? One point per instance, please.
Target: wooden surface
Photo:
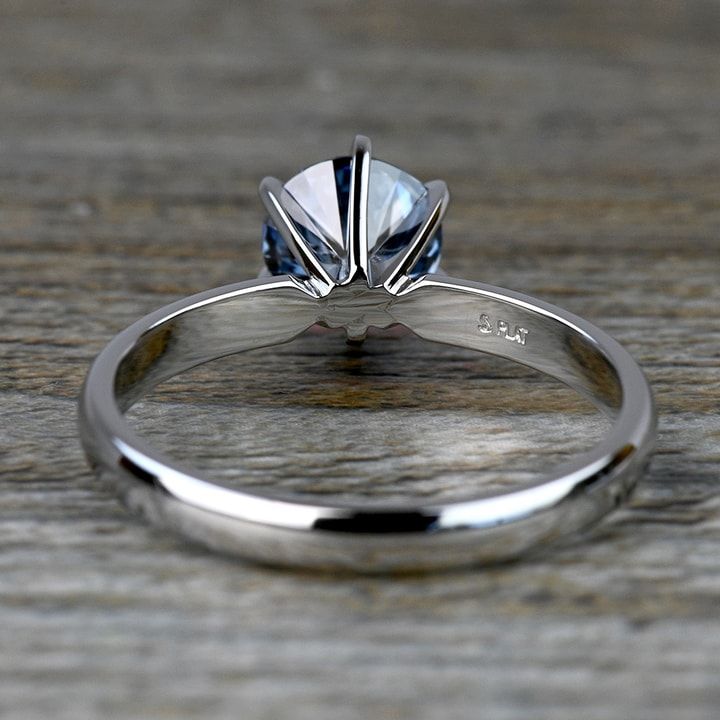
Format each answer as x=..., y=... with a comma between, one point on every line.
x=581, y=145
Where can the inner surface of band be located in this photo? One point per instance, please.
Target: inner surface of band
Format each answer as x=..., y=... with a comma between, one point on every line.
x=434, y=309
x=495, y=322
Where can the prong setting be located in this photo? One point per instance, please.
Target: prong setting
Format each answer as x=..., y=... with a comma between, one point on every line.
x=353, y=221
x=271, y=193
x=357, y=223
x=396, y=275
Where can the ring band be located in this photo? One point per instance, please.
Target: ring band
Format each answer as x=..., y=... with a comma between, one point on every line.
x=372, y=284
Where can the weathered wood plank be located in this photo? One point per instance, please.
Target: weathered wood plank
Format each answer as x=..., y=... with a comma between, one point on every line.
x=580, y=144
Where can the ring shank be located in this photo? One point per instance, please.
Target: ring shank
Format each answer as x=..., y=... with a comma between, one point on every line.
x=271, y=311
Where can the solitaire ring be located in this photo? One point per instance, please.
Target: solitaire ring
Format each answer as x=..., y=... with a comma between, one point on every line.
x=355, y=243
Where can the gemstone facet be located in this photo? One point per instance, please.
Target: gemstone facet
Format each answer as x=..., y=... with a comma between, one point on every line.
x=317, y=201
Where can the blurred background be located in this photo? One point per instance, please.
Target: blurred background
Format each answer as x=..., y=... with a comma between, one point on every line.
x=171, y=112
x=581, y=144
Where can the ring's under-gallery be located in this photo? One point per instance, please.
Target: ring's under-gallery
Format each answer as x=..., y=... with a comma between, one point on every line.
x=352, y=243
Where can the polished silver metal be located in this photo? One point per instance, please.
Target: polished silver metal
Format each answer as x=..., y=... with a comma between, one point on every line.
x=270, y=194
x=359, y=269
x=272, y=310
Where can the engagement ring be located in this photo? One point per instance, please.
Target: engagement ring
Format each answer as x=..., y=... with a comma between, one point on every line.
x=355, y=243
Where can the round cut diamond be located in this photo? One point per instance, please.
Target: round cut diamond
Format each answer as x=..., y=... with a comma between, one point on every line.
x=317, y=201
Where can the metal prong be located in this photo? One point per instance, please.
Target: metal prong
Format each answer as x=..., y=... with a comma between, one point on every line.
x=270, y=193
x=357, y=230
x=395, y=274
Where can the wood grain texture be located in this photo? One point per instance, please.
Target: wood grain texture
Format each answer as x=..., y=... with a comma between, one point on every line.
x=580, y=142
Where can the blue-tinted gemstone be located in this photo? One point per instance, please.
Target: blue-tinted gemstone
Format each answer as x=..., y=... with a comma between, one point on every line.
x=278, y=258
x=318, y=198
x=280, y=261
x=430, y=260
x=342, y=183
